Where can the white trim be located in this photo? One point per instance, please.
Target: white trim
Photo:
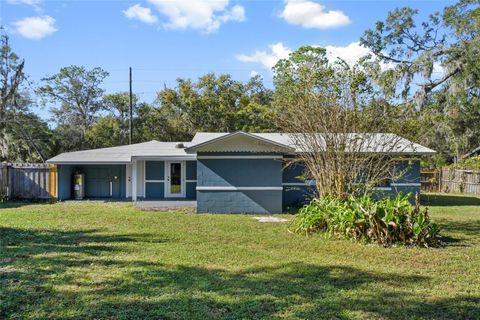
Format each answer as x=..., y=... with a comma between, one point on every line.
x=240, y=157
x=183, y=173
x=128, y=181
x=231, y=188
x=233, y=134
x=89, y=163
x=307, y=183
x=411, y=184
x=191, y=181
x=191, y=157
x=134, y=181
x=154, y=181
x=382, y=188
x=144, y=163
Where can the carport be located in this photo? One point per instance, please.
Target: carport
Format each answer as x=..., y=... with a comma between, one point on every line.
x=101, y=181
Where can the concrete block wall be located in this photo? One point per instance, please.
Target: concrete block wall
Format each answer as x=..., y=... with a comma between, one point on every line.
x=407, y=180
x=239, y=201
x=236, y=185
x=296, y=191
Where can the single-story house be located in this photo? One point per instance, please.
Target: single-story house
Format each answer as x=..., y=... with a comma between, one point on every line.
x=224, y=172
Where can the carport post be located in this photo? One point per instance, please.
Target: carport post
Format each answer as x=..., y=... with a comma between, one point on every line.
x=134, y=180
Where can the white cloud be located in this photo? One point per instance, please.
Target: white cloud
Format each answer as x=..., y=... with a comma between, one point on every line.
x=350, y=53
x=204, y=15
x=35, y=27
x=267, y=59
x=309, y=14
x=237, y=13
x=28, y=2
x=253, y=73
x=33, y=3
x=140, y=13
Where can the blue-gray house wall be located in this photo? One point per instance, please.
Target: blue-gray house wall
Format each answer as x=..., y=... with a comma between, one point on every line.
x=191, y=180
x=155, y=179
x=97, y=181
x=235, y=185
x=98, y=177
x=226, y=185
x=65, y=186
x=406, y=179
x=295, y=191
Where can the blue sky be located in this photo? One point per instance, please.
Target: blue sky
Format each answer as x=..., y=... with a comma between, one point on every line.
x=164, y=40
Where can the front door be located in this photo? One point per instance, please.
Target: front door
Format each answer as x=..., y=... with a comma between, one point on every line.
x=175, y=179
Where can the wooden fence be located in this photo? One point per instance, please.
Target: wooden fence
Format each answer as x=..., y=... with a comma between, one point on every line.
x=28, y=181
x=451, y=180
x=430, y=181
x=460, y=181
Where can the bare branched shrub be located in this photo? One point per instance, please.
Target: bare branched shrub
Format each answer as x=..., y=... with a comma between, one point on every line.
x=324, y=108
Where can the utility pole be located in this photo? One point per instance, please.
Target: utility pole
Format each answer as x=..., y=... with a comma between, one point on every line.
x=130, y=122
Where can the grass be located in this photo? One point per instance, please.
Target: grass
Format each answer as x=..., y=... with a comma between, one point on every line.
x=110, y=260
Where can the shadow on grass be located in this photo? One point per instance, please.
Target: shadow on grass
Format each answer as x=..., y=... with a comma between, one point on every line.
x=459, y=233
x=12, y=204
x=446, y=200
x=18, y=203
x=469, y=228
x=72, y=274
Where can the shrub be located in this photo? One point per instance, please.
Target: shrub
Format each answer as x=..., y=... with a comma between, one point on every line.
x=472, y=163
x=386, y=222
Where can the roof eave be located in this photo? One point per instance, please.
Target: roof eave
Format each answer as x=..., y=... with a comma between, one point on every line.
x=194, y=148
x=50, y=161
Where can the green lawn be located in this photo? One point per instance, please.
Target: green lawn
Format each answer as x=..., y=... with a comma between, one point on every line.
x=97, y=260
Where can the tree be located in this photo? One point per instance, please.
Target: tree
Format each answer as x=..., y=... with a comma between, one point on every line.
x=113, y=129
x=23, y=136
x=219, y=103
x=106, y=132
x=255, y=113
x=163, y=124
x=29, y=139
x=11, y=73
x=432, y=65
x=323, y=106
x=78, y=96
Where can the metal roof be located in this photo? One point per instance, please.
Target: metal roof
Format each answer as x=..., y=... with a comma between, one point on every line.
x=366, y=142
x=471, y=153
x=230, y=142
x=377, y=142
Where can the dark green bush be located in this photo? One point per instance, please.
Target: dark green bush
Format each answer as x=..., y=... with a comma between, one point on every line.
x=386, y=221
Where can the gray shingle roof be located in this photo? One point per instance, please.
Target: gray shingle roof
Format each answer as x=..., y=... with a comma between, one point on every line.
x=121, y=154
